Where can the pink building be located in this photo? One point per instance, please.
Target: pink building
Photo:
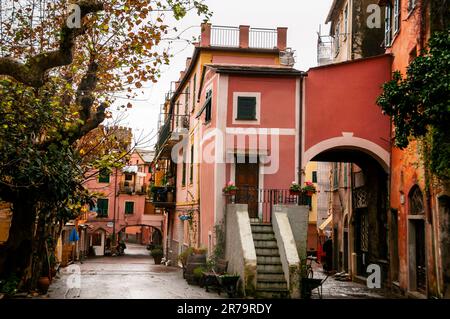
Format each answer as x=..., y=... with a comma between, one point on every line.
x=122, y=206
x=233, y=116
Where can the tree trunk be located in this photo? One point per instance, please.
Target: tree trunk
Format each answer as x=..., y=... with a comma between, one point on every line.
x=16, y=253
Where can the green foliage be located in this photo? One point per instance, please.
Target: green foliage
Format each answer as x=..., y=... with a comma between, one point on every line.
x=185, y=254
x=198, y=272
x=157, y=251
x=419, y=104
x=9, y=286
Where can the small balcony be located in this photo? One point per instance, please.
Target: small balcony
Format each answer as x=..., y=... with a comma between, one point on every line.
x=131, y=189
x=170, y=133
x=163, y=196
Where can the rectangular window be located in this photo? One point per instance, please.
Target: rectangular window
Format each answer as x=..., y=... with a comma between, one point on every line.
x=102, y=207
x=208, y=104
x=396, y=16
x=193, y=92
x=335, y=176
x=337, y=40
x=183, y=178
x=314, y=176
x=186, y=100
x=246, y=108
x=128, y=177
x=388, y=26
x=103, y=176
x=191, y=171
x=346, y=21
x=97, y=239
x=129, y=208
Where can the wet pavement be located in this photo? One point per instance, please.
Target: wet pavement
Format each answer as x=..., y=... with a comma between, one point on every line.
x=132, y=276
x=332, y=288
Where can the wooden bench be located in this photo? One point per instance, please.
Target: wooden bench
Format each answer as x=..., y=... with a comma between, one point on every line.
x=211, y=278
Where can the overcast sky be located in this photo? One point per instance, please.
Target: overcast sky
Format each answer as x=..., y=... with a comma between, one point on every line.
x=301, y=17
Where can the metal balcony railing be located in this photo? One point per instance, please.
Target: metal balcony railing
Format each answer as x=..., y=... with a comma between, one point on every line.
x=173, y=123
x=262, y=38
x=129, y=188
x=261, y=201
x=223, y=36
x=163, y=196
x=259, y=38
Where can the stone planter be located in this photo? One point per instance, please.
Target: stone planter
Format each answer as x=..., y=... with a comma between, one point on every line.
x=43, y=284
x=194, y=261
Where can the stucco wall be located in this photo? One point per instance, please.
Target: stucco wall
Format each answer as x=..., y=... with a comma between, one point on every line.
x=240, y=249
x=288, y=249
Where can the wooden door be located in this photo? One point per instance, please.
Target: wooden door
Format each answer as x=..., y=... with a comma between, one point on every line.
x=247, y=183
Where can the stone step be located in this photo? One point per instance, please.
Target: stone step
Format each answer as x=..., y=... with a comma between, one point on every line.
x=267, y=252
x=262, y=228
x=267, y=285
x=261, y=277
x=270, y=269
x=255, y=221
x=266, y=243
x=272, y=293
x=263, y=236
x=266, y=260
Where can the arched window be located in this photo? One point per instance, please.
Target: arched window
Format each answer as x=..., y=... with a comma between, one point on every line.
x=416, y=206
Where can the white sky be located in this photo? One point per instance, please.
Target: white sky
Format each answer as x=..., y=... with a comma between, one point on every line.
x=302, y=18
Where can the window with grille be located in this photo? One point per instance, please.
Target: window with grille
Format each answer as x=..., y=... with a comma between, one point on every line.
x=129, y=208
x=183, y=178
x=102, y=207
x=191, y=172
x=416, y=202
x=246, y=108
x=128, y=177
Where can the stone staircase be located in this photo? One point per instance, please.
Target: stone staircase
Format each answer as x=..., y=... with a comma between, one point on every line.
x=271, y=282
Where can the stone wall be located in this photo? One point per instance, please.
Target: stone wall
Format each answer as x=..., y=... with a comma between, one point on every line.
x=240, y=250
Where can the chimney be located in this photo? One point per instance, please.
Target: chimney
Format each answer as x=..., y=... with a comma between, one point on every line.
x=244, y=31
x=282, y=38
x=205, y=40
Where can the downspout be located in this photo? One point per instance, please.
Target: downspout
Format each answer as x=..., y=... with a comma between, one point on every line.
x=300, y=128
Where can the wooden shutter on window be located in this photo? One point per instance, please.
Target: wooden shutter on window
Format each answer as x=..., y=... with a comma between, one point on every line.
x=246, y=109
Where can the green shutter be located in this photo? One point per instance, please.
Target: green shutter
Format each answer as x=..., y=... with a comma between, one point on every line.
x=246, y=109
x=102, y=207
x=129, y=208
x=103, y=176
x=314, y=176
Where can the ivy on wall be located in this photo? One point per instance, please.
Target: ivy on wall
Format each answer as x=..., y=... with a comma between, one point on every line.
x=419, y=104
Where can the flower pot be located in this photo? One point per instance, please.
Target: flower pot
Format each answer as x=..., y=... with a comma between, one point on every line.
x=309, y=193
x=157, y=260
x=294, y=193
x=43, y=284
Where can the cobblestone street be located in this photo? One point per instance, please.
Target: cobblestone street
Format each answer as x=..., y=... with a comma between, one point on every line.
x=132, y=276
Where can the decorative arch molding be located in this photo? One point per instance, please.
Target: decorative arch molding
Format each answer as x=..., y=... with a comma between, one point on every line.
x=348, y=141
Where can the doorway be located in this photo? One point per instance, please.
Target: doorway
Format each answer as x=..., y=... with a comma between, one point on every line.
x=416, y=242
x=247, y=182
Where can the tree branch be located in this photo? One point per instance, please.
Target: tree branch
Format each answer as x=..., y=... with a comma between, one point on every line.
x=33, y=71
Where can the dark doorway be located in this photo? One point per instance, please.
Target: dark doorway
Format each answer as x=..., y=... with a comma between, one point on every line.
x=247, y=183
x=444, y=214
x=362, y=240
x=346, y=244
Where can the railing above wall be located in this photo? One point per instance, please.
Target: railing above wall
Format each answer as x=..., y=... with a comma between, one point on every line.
x=262, y=38
x=263, y=200
x=256, y=38
x=223, y=36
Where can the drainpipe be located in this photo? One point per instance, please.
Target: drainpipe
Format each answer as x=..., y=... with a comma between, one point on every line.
x=300, y=133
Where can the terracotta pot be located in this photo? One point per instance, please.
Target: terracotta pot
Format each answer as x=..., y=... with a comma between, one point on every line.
x=43, y=284
x=294, y=193
x=309, y=193
x=157, y=259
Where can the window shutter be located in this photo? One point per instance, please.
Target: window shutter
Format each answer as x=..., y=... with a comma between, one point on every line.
x=246, y=109
x=102, y=206
x=129, y=207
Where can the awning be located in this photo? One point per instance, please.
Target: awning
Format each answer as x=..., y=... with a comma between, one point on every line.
x=130, y=169
x=326, y=222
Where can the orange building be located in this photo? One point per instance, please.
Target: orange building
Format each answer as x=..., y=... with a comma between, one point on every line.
x=419, y=215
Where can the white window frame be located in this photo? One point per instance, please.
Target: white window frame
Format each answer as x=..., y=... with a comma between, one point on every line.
x=256, y=95
x=388, y=27
x=396, y=23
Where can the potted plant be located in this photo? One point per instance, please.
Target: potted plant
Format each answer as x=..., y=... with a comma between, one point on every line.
x=198, y=275
x=157, y=254
x=295, y=189
x=183, y=257
x=309, y=188
x=229, y=283
x=230, y=189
